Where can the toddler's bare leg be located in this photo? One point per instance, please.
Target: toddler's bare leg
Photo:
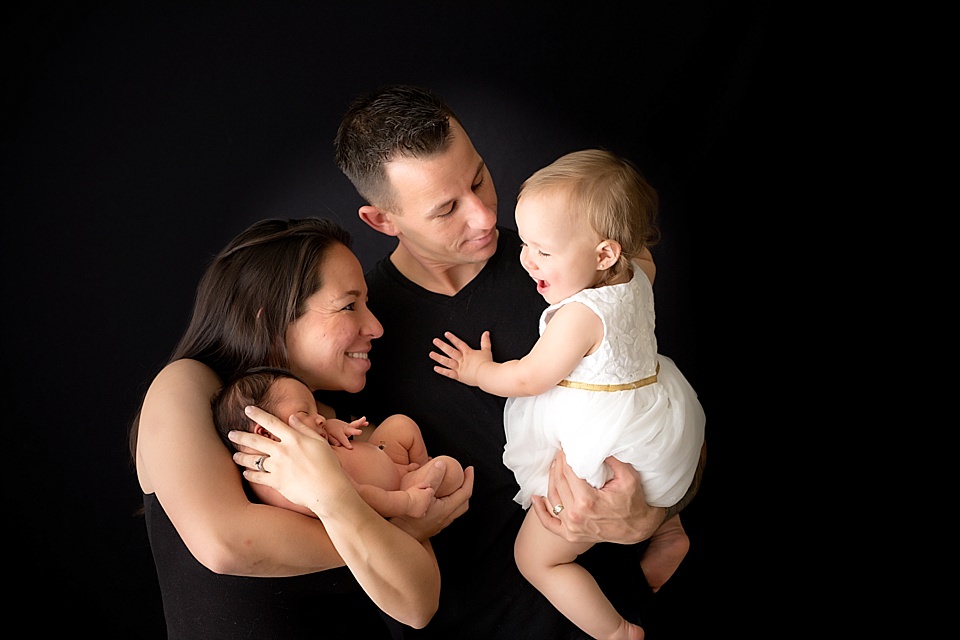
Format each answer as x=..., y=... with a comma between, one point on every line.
x=667, y=549
x=548, y=562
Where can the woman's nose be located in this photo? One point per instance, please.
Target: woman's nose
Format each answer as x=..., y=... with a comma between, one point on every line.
x=372, y=326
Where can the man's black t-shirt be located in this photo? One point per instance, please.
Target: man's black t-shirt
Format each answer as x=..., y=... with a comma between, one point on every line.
x=483, y=594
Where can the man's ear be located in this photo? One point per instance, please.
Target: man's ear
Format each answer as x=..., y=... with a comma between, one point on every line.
x=378, y=219
x=608, y=252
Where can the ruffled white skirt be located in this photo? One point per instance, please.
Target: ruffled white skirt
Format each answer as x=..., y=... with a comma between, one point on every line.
x=657, y=428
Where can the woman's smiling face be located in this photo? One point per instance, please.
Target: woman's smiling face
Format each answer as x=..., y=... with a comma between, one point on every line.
x=328, y=346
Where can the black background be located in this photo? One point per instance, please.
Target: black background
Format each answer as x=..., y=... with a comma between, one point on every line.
x=138, y=138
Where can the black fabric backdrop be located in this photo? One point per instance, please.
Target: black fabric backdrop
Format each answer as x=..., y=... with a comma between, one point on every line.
x=140, y=137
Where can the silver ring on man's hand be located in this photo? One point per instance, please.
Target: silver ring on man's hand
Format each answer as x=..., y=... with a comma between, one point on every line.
x=557, y=508
x=259, y=464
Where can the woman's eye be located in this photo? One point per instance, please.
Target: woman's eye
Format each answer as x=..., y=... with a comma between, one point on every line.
x=350, y=307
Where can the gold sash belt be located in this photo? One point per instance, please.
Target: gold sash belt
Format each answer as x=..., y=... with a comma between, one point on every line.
x=586, y=386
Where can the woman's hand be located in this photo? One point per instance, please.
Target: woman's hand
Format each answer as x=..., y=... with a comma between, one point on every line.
x=616, y=512
x=301, y=464
x=398, y=572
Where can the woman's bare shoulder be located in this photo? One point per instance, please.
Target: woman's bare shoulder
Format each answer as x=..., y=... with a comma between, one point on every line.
x=184, y=374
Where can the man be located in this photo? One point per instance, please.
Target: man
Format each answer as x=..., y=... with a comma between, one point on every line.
x=454, y=269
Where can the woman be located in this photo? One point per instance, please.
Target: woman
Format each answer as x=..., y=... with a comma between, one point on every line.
x=285, y=293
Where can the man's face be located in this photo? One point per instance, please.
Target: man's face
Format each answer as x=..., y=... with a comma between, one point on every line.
x=446, y=205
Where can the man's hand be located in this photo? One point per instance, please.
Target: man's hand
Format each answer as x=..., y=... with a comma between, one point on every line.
x=617, y=512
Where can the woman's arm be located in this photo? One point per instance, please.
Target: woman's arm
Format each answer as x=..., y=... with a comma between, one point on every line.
x=181, y=458
x=398, y=572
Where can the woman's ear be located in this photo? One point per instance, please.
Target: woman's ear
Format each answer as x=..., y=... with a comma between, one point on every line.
x=608, y=252
x=378, y=219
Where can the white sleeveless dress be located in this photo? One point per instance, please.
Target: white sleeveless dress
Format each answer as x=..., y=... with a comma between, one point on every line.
x=658, y=427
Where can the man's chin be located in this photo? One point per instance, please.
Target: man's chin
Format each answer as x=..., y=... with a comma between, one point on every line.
x=482, y=248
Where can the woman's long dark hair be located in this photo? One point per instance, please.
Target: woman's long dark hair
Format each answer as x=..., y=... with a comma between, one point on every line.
x=251, y=292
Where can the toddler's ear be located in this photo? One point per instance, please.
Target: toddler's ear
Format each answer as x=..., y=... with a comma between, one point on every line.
x=608, y=252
